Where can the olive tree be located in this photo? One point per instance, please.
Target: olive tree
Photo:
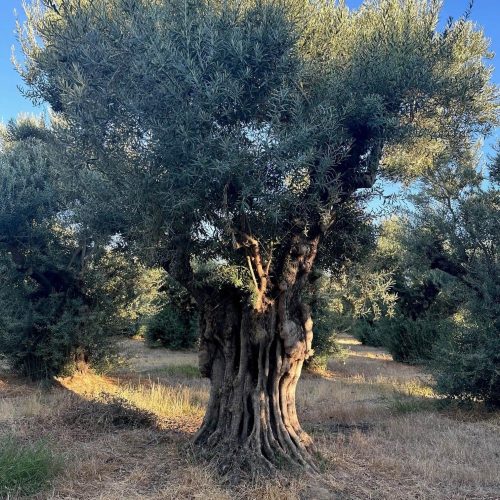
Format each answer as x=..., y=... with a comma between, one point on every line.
x=240, y=135
x=454, y=231
x=62, y=293
x=45, y=308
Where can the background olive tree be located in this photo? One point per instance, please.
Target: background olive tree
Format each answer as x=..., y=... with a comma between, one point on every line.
x=63, y=294
x=48, y=321
x=455, y=232
x=445, y=281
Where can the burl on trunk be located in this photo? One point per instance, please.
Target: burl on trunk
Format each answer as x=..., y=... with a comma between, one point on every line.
x=253, y=354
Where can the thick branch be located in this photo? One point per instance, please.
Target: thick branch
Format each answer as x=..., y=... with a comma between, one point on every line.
x=178, y=265
x=258, y=268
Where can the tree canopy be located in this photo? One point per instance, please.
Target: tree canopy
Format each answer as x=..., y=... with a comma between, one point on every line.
x=212, y=119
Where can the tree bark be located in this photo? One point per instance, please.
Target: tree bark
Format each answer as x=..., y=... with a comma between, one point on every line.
x=253, y=354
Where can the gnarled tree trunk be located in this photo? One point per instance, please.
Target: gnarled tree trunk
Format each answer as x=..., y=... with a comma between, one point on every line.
x=253, y=355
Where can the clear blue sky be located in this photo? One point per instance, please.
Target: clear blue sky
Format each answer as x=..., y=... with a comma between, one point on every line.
x=485, y=12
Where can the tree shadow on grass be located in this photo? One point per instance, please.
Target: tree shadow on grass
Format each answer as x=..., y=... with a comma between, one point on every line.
x=108, y=413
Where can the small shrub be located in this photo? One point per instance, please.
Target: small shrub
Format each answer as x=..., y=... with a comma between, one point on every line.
x=368, y=332
x=325, y=347
x=410, y=340
x=140, y=332
x=172, y=329
x=467, y=363
x=26, y=469
x=323, y=354
x=171, y=402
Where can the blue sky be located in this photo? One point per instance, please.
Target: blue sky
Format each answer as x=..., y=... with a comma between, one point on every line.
x=485, y=12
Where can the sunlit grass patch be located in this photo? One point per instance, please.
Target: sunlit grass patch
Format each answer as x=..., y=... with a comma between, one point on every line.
x=415, y=388
x=353, y=398
x=408, y=387
x=26, y=468
x=348, y=340
x=407, y=396
x=166, y=401
x=376, y=355
x=169, y=401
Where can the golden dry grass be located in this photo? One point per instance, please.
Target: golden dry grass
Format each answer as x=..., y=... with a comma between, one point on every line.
x=177, y=401
x=374, y=421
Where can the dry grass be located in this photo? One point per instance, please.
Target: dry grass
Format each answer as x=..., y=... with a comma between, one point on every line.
x=140, y=359
x=181, y=402
x=375, y=423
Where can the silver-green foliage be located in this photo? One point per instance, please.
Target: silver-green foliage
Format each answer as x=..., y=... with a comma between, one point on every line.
x=456, y=232
x=40, y=297
x=193, y=120
x=446, y=280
